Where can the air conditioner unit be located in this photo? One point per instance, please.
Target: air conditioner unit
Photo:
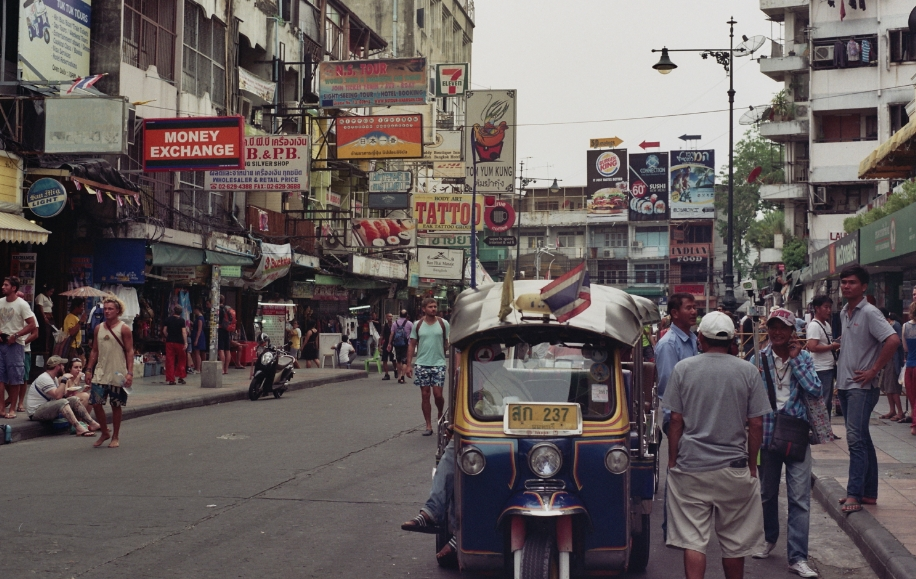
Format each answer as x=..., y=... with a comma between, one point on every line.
x=820, y=196
x=637, y=245
x=823, y=53
x=608, y=253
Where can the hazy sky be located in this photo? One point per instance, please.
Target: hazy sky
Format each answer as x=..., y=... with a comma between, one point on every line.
x=585, y=65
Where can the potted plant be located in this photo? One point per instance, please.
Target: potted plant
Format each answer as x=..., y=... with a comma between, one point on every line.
x=782, y=109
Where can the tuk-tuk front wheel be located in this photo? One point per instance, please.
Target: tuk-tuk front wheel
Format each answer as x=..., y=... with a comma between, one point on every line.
x=639, y=548
x=539, y=557
x=47, y=36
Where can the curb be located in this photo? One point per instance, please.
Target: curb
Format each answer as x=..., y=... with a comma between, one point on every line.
x=31, y=429
x=888, y=558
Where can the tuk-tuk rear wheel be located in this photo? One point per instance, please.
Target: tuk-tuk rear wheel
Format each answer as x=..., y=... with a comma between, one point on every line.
x=639, y=547
x=539, y=557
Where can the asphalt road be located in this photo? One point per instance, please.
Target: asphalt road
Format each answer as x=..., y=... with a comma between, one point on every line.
x=313, y=485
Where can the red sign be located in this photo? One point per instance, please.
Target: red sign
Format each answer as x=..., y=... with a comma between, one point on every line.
x=696, y=289
x=500, y=216
x=193, y=144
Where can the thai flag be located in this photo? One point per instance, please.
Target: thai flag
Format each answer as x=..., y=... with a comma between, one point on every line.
x=570, y=294
x=85, y=83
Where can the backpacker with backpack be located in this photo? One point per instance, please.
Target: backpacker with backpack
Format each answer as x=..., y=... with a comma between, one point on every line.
x=400, y=334
x=230, y=320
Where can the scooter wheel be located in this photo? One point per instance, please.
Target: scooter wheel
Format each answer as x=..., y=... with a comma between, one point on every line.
x=279, y=391
x=254, y=389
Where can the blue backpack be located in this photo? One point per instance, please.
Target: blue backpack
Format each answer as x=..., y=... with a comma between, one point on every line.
x=400, y=334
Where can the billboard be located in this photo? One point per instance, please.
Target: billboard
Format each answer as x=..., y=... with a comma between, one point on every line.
x=370, y=83
x=607, y=185
x=439, y=263
x=381, y=233
x=272, y=163
x=648, y=192
x=83, y=125
x=193, y=144
x=447, y=147
x=693, y=178
x=446, y=212
x=490, y=141
x=54, y=39
x=380, y=137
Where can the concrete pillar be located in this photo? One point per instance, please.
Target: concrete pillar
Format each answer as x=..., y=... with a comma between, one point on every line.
x=211, y=374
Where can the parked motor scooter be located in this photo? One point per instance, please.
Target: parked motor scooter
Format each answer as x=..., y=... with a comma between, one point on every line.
x=273, y=369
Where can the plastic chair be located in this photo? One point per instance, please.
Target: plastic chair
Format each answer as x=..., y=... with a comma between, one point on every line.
x=375, y=359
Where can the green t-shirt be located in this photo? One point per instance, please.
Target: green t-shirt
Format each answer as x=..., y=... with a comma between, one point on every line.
x=429, y=348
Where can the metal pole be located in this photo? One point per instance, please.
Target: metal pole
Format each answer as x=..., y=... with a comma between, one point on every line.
x=518, y=213
x=474, y=226
x=729, y=301
x=3, y=48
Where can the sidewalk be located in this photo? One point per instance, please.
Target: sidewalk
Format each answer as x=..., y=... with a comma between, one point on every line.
x=152, y=395
x=885, y=533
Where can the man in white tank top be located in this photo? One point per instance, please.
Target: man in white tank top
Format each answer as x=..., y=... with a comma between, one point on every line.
x=110, y=368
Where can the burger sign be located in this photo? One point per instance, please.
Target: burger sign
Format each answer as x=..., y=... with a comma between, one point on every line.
x=607, y=185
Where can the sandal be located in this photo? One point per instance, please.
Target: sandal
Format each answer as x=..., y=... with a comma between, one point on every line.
x=421, y=524
x=851, y=508
x=401, y=380
x=898, y=418
x=886, y=416
x=428, y=433
x=448, y=555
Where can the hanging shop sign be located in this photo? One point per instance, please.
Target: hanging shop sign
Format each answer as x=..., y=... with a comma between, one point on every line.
x=437, y=186
x=46, y=197
x=120, y=261
x=333, y=198
x=301, y=290
x=274, y=264
x=648, y=190
x=446, y=147
x=86, y=124
x=377, y=268
x=259, y=87
x=23, y=266
x=440, y=263
x=607, y=186
x=689, y=250
x=373, y=83
x=889, y=237
x=193, y=144
x=389, y=200
x=390, y=182
x=380, y=137
x=500, y=216
x=490, y=141
x=384, y=233
x=446, y=240
x=271, y=164
x=697, y=289
x=446, y=212
x=188, y=273
x=692, y=178
x=231, y=271
x=54, y=39
x=451, y=79
x=449, y=171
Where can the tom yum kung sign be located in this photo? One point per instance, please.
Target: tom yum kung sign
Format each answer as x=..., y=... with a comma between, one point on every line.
x=193, y=144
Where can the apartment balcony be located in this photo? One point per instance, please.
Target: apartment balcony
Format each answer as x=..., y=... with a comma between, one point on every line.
x=608, y=252
x=778, y=67
x=776, y=9
x=784, y=192
x=639, y=251
x=545, y=218
x=786, y=130
x=838, y=162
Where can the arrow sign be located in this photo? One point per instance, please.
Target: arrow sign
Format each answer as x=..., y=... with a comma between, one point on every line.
x=601, y=143
x=649, y=144
x=690, y=137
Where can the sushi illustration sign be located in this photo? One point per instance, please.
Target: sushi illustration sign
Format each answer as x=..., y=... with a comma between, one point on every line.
x=447, y=212
x=380, y=137
x=384, y=233
x=693, y=177
x=648, y=192
x=490, y=141
x=54, y=38
x=373, y=83
x=607, y=187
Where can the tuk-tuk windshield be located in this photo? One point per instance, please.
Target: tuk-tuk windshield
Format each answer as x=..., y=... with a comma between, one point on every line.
x=543, y=372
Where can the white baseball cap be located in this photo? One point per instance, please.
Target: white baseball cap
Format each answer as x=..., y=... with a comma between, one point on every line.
x=717, y=326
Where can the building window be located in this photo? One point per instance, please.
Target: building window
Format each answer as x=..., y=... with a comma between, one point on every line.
x=652, y=238
x=334, y=37
x=649, y=273
x=693, y=272
x=535, y=241
x=547, y=206
x=903, y=45
x=898, y=116
x=615, y=239
x=848, y=127
x=202, y=68
x=569, y=239
x=856, y=51
x=695, y=234
x=149, y=35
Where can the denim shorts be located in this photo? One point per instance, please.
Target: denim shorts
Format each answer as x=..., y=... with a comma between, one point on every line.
x=101, y=392
x=425, y=376
x=12, y=364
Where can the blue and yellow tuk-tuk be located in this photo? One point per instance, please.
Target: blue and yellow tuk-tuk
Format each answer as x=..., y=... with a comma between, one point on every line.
x=556, y=431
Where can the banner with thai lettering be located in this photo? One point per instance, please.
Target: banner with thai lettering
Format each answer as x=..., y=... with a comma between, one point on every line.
x=373, y=83
x=607, y=185
x=446, y=212
x=693, y=178
x=490, y=141
x=648, y=194
x=272, y=163
x=380, y=137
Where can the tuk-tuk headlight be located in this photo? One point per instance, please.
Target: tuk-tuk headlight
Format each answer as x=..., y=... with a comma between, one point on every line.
x=471, y=461
x=545, y=460
x=617, y=460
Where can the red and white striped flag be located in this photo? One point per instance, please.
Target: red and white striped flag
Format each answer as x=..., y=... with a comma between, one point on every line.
x=85, y=83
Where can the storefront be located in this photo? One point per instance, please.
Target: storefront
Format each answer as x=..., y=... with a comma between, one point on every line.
x=888, y=251
x=822, y=275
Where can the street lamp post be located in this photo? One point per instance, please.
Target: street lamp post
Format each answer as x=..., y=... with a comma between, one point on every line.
x=725, y=57
x=524, y=182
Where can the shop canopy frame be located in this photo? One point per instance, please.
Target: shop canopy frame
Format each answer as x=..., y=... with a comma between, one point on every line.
x=893, y=159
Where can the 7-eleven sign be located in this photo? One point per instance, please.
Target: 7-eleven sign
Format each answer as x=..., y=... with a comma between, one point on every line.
x=451, y=79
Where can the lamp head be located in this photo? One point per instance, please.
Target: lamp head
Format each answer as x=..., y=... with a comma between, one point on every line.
x=554, y=187
x=664, y=64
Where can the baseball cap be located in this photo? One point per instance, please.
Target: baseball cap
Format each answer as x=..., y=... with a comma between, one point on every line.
x=717, y=326
x=54, y=361
x=785, y=316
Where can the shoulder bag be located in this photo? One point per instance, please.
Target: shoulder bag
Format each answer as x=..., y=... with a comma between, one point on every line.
x=790, y=434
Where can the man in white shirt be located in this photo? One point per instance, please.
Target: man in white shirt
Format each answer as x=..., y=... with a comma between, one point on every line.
x=16, y=323
x=822, y=347
x=46, y=401
x=345, y=352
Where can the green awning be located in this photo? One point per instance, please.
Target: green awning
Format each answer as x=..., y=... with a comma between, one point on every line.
x=220, y=258
x=167, y=254
x=350, y=282
x=645, y=291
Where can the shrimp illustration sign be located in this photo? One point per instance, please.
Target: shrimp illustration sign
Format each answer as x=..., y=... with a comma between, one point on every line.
x=607, y=185
x=490, y=141
x=693, y=177
x=648, y=197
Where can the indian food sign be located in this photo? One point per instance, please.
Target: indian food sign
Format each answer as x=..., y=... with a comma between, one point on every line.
x=380, y=137
x=373, y=83
x=607, y=185
x=446, y=212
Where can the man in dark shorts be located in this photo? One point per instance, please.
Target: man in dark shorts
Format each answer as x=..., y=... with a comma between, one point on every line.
x=384, y=337
x=222, y=335
x=400, y=337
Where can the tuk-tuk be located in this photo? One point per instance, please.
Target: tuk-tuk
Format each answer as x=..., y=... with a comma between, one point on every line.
x=555, y=434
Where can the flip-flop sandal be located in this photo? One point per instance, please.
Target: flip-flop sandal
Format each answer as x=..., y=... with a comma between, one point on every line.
x=851, y=508
x=420, y=524
x=428, y=433
x=865, y=501
x=448, y=555
x=886, y=416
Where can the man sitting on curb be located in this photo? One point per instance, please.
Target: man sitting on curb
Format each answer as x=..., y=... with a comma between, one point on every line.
x=45, y=400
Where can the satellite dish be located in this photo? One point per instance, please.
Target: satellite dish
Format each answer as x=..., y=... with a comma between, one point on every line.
x=754, y=174
x=750, y=45
x=754, y=115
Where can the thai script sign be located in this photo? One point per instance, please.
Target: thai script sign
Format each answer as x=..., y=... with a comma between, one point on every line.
x=380, y=137
x=693, y=177
x=446, y=212
x=490, y=141
x=370, y=83
x=193, y=144
x=889, y=237
x=271, y=164
x=390, y=182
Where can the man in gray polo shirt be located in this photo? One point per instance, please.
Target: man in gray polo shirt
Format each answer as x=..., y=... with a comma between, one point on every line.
x=868, y=343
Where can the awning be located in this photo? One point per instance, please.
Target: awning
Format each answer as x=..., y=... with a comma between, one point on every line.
x=645, y=291
x=220, y=258
x=166, y=254
x=18, y=229
x=895, y=158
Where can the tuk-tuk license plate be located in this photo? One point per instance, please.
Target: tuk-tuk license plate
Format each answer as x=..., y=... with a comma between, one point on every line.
x=542, y=419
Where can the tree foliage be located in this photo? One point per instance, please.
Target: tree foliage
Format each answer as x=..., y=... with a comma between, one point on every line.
x=895, y=203
x=762, y=232
x=751, y=151
x=794, y=252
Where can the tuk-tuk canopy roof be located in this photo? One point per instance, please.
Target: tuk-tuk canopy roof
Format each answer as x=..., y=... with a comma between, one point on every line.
x=612, y=313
